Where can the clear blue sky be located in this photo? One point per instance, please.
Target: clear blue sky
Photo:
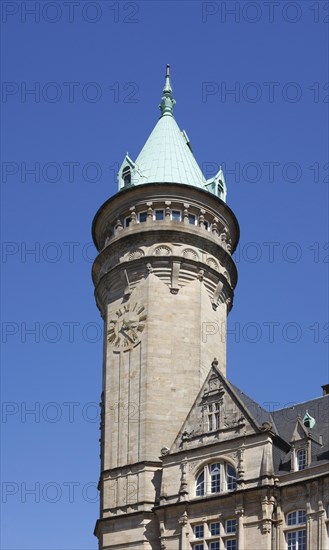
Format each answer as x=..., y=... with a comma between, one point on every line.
x=97, y=70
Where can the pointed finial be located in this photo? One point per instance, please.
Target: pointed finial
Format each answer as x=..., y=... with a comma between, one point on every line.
x=167, y=101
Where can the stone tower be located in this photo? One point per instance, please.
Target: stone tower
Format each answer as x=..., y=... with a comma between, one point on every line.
x=164, y=281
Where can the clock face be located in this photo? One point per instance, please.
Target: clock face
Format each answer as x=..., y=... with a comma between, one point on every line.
x=126, y=326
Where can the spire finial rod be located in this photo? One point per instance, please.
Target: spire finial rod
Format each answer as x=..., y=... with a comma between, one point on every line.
x=167, y=101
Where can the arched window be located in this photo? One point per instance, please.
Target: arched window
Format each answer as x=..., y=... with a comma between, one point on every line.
x=126, y=176
x=217, y=477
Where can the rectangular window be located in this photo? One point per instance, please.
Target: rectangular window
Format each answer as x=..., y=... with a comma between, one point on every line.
x=198, y=531
x=296, y=540
x=301, y=459
x=127, y=221
x=142, y=217
x=214, y=545
x=176, y=215
x=159, y=215
x=213, y=416
x=198, y=546
x=192, y=219
x=214, y=528
x=230, y=526
x=230, y=544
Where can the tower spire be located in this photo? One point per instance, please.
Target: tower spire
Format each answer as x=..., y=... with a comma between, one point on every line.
x=167, y=101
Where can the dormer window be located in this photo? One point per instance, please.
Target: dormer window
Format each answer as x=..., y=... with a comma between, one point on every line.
x=126, y=176
x=301, y=459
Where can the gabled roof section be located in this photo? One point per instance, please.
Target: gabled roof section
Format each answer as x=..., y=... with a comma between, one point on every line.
x=167, y=155
x=238, y=414
x=299, y=432
x=288, y=418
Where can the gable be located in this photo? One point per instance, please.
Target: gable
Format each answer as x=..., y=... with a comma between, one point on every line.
x=218, y=414
x=299, y=433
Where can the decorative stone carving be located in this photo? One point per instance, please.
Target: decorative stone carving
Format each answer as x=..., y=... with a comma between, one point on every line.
x=212, y=263
x=162, y=250
x=201, y=217
x=201, y=274
x=167, y=210
x=135, y=254
x=190, y=254
x=183, y=520
x=118, y=226
x=149, y=211
x=133, y=215
x=183, y=490
x=214, y=227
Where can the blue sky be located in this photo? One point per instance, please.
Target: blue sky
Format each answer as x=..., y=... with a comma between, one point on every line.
x=251, y=86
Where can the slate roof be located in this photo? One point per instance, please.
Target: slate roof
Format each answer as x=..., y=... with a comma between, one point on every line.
x=284, y=421
x=259, y=414
x=286, y=418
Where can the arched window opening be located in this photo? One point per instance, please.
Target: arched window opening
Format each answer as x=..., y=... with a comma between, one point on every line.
x=215, y=478
x=200, y=485
x=126, y=176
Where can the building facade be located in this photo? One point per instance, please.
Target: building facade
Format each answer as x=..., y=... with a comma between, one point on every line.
x=188, y=461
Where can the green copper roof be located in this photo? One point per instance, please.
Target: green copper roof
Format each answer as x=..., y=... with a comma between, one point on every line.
x=167, y=156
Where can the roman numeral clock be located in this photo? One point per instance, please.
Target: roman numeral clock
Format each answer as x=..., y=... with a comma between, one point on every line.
x=126, y=326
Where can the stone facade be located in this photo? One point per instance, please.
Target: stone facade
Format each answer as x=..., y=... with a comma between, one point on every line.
x=164, y=288
x=188, y=461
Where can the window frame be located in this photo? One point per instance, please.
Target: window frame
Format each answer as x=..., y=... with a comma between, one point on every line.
x=200, y=535
x=191, y=215
x=127, y=221
x=301, y=465
x=172, y=212
x=207, y=479
x=139, y=214
x=217, y=537
x=296, y=527
x=213, y=416
x=159, y=210
x=126, y=172
x=233, y=524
